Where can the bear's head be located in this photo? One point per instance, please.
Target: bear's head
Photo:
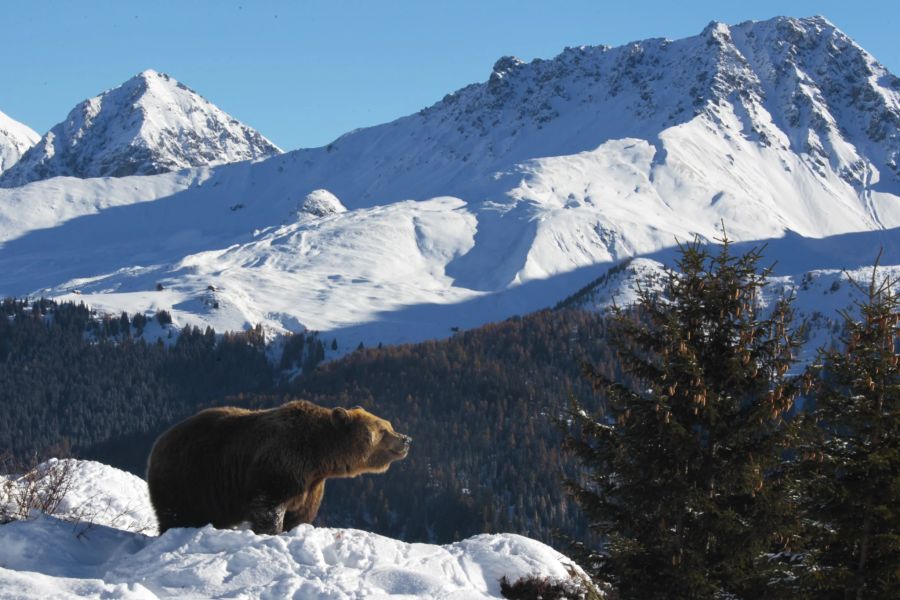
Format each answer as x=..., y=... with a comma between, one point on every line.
x=375, y=442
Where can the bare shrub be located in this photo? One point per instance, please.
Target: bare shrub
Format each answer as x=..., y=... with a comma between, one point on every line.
x=32, y=486
x=577, y=586
x=97, y=510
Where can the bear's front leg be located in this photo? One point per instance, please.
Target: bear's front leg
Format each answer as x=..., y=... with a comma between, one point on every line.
x=305, y=508
x=266, y=516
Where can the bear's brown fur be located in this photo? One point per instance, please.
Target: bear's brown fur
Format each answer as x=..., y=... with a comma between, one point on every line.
x=228, y=465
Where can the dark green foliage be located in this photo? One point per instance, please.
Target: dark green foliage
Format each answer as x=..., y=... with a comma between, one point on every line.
x=302, y=351
x=68, y=376
x=852, y=484
x=481, y=408
x=139, y=321
x=685, y=476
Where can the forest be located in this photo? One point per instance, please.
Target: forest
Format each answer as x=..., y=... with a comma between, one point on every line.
x=93, y=385
x=482, y=406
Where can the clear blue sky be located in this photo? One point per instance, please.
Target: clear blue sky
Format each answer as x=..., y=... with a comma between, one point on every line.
x=304, y=72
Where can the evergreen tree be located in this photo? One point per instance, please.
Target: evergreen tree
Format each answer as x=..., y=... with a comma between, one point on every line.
x=683, y=467
x=852, y=489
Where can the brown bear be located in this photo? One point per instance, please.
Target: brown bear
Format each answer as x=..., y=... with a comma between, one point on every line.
x=229, y=465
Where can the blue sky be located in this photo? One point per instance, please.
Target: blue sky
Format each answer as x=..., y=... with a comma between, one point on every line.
x=304, y=72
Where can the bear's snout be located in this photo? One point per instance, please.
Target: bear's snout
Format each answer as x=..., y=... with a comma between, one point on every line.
x=400, y=444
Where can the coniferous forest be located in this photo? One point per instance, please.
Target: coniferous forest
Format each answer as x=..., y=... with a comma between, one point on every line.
x=73, y=379
x=482, y=408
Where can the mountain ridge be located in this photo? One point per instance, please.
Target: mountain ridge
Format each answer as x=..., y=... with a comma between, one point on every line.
x=504, y=197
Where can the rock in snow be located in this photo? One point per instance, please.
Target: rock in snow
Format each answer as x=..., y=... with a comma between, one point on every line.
x=149, y=124
x=321, y=203
x=50, y=558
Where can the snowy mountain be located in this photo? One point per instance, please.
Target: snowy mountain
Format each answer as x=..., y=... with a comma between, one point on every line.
x=149, y=124
x=15, y=139
x=110, y=553
x=504, y=197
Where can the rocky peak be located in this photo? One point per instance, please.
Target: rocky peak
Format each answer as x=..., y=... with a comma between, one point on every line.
x=799, y=83
x=15, y=140
x=149, y=124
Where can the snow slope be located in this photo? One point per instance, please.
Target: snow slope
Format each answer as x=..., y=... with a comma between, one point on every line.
x=820, y=292
x=149, y=124
x=15, y=139
x=503, y=198
x=50, y=558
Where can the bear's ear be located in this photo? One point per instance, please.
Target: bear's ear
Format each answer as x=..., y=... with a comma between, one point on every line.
x=340, y=416
x=358, y=407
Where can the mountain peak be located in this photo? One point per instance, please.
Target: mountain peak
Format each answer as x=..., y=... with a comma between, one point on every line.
x=716, y=29
x=150, y=77
x=15, y=140
x=506, y=64
x=150, y=124
x=798, y=83
x=821, y=20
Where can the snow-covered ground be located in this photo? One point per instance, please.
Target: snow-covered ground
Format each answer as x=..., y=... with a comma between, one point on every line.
x=107, y=557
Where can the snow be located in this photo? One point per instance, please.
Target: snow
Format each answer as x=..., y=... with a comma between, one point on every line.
x=503, y=198
x=149, y=124
x=99, y=494
x=15, y=139
x=819, y=295
x=46, y=557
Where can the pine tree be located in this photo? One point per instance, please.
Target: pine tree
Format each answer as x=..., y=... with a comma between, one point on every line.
x=683, y=476
x=852, y=489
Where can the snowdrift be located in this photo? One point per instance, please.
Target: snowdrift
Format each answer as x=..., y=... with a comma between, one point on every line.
x=107, y=557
